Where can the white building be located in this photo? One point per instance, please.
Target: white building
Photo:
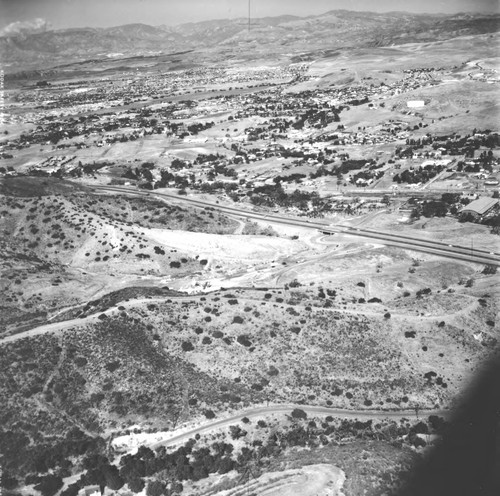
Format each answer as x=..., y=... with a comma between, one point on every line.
x=415, y=103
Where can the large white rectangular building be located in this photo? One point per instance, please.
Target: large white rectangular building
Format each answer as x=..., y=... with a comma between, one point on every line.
x=415, y=103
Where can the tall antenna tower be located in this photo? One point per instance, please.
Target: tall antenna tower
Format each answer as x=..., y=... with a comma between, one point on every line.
x=249, y=3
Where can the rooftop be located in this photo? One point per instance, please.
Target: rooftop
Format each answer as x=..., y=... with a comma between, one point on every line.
x=480, y=206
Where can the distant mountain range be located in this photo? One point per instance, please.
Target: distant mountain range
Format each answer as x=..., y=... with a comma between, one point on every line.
x=283, y=34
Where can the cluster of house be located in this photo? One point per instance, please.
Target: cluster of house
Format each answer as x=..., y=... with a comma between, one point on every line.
x=88, y=97
x=288, y=125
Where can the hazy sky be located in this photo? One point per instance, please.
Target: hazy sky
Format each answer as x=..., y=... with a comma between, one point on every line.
x=79, y=13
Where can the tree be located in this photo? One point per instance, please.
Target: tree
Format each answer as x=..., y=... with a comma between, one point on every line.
x=297, y=413
x=112, y=477
x=49, y=485
x=136, y=484
x=226, y=464
x=176, y=488
x=415, y=214
x=450, y=198
x=71, y=490
x=434, y=209
x=145, y=453
x=155, y=488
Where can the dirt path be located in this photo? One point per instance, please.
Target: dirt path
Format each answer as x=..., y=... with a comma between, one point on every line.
x=57, y=327
x=62, y=357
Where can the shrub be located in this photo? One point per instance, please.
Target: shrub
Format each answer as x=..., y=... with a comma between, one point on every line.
x=237, y=432
x=273, y=371
x=243, y=339
x=237, y=320
x=489, y=269
x=425, y=291
x=112, y=366
x=187, y=346
x=80, y=361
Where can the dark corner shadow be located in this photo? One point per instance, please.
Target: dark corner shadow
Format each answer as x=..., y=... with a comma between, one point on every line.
x=467, y=460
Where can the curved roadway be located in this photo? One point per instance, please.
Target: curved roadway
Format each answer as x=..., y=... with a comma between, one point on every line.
x=287, y=409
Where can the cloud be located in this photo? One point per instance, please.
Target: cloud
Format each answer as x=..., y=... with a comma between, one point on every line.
x=25, y=27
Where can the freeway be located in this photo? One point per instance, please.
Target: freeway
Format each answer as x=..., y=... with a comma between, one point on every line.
x=441, y=249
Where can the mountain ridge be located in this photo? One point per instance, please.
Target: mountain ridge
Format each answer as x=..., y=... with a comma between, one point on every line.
x=335, y=28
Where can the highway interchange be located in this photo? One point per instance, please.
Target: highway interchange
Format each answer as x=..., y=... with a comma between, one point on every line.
x=456, y=252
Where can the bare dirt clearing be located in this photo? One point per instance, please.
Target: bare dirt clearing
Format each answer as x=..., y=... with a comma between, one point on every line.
x=310, y=480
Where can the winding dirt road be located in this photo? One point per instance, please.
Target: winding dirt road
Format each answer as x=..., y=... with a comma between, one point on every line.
x=310, y=410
